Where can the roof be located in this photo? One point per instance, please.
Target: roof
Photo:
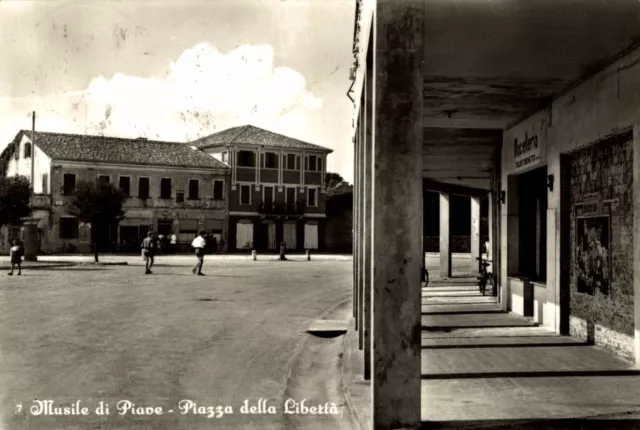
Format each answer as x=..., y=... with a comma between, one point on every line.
x=99, y=149
x=251, y=135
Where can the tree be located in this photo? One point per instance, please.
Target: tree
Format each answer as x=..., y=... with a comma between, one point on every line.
x=100, y=204
x=15, y=195
x=335, y=184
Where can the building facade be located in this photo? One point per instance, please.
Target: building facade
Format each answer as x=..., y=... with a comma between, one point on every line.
x=172, y=188
x=277, y=189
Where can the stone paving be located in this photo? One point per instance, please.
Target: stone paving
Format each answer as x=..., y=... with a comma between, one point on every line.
x=483, y=368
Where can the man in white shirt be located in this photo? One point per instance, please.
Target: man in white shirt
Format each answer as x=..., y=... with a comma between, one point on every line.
x=198, y=244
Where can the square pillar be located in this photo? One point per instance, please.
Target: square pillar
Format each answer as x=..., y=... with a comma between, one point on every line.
x=445, y=236
x=356, y=236
x=476, y=245
x=397, y=214
x=636, y=238
x=361, y=226
x=368, y=227
x=512, y=237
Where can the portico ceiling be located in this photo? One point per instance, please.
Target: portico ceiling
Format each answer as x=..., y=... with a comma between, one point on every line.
x=490, y=63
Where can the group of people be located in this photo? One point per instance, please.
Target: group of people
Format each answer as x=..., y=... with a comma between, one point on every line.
x=200, y=244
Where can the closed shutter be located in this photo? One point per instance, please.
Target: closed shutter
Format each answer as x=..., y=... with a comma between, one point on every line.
x=310, y=236
x=290, y=238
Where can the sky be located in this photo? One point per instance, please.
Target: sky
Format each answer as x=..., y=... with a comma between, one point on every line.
x=181, y=69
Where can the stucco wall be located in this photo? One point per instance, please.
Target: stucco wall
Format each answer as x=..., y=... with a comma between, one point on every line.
x=604, y=105
x=605, y=315
x=22, y=166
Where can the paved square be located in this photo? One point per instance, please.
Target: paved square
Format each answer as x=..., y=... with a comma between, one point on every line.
x=112, y=333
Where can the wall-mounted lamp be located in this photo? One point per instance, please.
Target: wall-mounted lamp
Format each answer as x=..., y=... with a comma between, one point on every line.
x=550, y=182
x=503, y=197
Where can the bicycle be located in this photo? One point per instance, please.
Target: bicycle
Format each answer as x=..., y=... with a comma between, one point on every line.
x=485, y=276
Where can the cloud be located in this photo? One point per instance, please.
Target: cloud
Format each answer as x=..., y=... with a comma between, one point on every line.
x=202, y=91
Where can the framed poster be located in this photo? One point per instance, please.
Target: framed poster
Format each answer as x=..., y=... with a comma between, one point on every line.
x=593, y=251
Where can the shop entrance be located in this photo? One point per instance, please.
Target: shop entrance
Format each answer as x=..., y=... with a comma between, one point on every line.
x=532, y=214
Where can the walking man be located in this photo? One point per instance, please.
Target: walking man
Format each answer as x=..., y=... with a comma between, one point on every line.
x=16, y=257
x=148, y=250
x=198, y=244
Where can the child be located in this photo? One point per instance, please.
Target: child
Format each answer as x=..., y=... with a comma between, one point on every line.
x=16, y=257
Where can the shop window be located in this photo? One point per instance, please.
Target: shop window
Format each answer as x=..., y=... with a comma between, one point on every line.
x=532, y=214
x=165, y=188
x=68, y=228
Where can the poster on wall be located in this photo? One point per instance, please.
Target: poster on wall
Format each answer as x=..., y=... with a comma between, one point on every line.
x=593, y=254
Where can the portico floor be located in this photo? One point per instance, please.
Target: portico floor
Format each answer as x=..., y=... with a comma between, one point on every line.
x=485, y=368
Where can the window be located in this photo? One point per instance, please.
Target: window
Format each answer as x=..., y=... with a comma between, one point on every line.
x=45, y=183
x=246, y=159
x=143, y=188
x=312, y=198
x=218, y=190
x=194, y=186
x=180, y=196
x=68, y=228
x=269, y=194
x=27, y=150
x=69, y=183
x=270, y=160
x=245, y=194
x=103, y=179
x=290, y=196
x=313, y=163
x=225, y=157
x=292, y=163
x=165, y=188
x=125, y=185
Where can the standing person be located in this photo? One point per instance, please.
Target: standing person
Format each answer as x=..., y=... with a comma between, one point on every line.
x=214, y=244
x=148, y=249
x=160, y=244
x=16, y=258
x=173, y=243
x=198, y=244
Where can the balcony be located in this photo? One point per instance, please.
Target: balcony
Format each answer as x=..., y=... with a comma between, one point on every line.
x=282, y=208
x=41, y=201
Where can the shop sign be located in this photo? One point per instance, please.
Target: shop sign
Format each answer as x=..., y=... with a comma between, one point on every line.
x=526, y=152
